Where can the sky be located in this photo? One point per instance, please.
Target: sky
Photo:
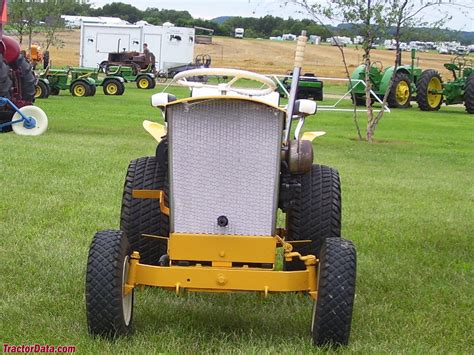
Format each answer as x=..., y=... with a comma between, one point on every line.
x=208, y=9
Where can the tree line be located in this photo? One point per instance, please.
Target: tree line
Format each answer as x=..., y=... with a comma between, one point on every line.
x=24, y=14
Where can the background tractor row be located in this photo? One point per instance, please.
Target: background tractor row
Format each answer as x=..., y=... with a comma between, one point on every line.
x=411, y=83
x=432, y=92
x=79, y=81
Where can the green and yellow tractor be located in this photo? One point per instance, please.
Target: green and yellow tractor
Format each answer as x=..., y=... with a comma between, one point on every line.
x=432, y=91
x=79, y=81
x=403, y=87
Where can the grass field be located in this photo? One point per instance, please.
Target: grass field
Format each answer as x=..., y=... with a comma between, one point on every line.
x=407, y=205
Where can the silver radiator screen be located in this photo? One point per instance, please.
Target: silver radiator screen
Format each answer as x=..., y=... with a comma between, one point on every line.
x=224, y=161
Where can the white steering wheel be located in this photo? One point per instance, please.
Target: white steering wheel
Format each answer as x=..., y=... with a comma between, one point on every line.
x=236, y=75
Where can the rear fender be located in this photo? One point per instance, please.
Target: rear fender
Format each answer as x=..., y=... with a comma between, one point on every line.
x=358, y=74
x=10, y=49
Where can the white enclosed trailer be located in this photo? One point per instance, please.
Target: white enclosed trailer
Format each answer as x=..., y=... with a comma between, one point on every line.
x=172, y=46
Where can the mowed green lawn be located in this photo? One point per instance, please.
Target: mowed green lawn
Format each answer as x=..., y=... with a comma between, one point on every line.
x=407, y=205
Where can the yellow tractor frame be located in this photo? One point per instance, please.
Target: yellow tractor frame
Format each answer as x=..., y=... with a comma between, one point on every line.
x=216, y=258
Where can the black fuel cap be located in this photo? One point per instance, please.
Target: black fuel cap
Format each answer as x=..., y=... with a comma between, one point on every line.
x=222, y=221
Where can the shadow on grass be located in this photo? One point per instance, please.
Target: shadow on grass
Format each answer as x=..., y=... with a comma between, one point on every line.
x=217, y=315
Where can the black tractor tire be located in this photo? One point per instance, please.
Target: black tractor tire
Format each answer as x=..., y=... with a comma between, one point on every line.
x=113, y=87
x=80, y=88
x=93, y=89
x=393, y=100
x=150, y=82
x=422, y=90
x=469, y=94
x=109, y=312
x=332, y=311
x=27, y=79
x=358, y=99
x=143, y=216
x=41, y=90
x=5, y=81
x=6, y=116
x=315, y=213
x=54, y=91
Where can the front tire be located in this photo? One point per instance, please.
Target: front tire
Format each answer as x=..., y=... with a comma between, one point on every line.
x=80, y=89
x=469, y=94
x=109, y=311
x=316, y=212
x=400, y=93
x=143, y=216
x=332, y=311
x=428, y=81
x=113, y=87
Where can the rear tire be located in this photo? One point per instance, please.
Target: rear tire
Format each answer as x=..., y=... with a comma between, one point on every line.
x=428, y=80
x=143, y=216
x=93, y=89
x=5, y=81
x=316, y=212
x=400, y=93
x=469, y=94
x=27, y=80
x=332, y=311
x=5, y=88
x=109, y=312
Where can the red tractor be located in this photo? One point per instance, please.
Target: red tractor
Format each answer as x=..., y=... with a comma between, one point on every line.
x=17, y=87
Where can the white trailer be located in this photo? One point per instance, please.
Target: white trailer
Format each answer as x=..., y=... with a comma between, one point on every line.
x=172, y=46
x=239, y=33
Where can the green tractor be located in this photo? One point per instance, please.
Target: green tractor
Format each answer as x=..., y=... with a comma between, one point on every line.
x=111, y=84
x=145, y=78
x=55, y=80
x=403, y=86
x=432, y=90
x=79, y=81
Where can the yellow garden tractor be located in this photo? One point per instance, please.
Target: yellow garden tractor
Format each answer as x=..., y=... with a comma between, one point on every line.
x=201, y=215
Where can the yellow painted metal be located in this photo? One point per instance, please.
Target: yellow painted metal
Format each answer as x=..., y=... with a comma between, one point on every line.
x=157, y=194
x=224, y=97
x=434, y=98
x=156, y=130
x=310, y=136
x=222, y=248
x=79, y=90
x=143, y=83
x=402, y=92
x=221, y=276
x=111, y=88
x=132, y=273
x=228, y=279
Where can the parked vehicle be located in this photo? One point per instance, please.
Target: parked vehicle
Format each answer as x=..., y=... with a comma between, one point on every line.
x=17, y=88
x=226, y=161
x=432, y=92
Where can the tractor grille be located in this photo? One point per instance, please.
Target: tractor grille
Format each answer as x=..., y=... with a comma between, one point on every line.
x=224, y=162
